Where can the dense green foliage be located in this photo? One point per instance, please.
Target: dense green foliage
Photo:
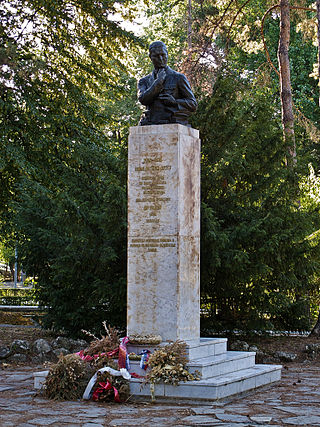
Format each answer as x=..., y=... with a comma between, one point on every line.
x=67, y=98
x=75, y=240
x=257, y=265
x=259, y=246
x=62, y=155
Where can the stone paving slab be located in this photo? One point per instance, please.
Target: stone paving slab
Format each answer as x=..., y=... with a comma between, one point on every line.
x=139, y=421
x=233, y=418
x=207, y=411
x=201, y=420
x=293, y=401
x=303, y=420
x=5, y=388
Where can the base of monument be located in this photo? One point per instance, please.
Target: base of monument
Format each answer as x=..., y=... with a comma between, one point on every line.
x=212, y=388
x=223, y=373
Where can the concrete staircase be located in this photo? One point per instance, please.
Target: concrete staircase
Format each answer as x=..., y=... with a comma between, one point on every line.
x=223, y=373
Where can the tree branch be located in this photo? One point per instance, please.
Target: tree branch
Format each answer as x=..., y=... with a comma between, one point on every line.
x=318, y=36
x=212, y=33
x=262, y=32
x=263, y=39
x=234, y=19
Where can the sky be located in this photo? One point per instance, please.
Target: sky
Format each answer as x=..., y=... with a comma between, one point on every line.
x=137, y=26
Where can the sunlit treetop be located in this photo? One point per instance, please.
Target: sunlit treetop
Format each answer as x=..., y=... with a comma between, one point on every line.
x=79, y=37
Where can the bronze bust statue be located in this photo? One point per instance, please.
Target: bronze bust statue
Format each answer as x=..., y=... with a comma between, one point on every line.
x=166, y=93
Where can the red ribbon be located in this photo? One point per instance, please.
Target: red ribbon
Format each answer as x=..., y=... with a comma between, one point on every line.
x=134, y=375
x=89, y=358
x=105, y=387
x=112, y=353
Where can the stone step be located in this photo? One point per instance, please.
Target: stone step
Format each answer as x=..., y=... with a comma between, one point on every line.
x=214, y=366
x=206, y=347
x=135, y=368
x=196, y=349
x=212, y=388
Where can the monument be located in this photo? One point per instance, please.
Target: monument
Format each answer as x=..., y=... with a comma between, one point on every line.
x=164, y=241
x=166, y=94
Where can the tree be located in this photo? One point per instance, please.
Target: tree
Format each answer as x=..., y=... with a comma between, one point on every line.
x=310, y=198
x=63, y=78
x=285, y=81
x=73, y=240
x=258, y=265
x=57, y=61
x=318, y=37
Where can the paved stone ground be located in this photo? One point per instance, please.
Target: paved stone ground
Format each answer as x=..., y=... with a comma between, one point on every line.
x=294, y=401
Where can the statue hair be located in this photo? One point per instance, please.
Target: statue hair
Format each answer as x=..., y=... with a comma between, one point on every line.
x=156, y=44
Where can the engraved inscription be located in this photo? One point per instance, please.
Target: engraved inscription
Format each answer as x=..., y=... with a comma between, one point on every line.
x=152, y=181
x=153, y=199
x=152, y=159
x=152, y=244
x=152, y=168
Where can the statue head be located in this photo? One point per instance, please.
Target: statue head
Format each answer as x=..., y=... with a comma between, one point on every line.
x=158, y=54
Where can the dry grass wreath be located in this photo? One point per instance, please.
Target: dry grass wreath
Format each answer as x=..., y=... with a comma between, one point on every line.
x=68, y=378
x=168, y=365
x=106, y=343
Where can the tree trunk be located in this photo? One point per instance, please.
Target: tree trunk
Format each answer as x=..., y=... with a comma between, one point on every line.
x=189, y=25
x=316, y=329
x=285, y=82
x=318, y=33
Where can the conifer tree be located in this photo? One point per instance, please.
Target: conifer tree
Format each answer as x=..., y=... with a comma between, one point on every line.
x=63, y=165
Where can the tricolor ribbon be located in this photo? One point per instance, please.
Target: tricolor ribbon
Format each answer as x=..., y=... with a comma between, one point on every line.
x=87, y=358
x=145, y=354
x=134, y=375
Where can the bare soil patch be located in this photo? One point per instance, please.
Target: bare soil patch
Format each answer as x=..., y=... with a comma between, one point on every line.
x=31, y=334
x=289, y=344
x=12, y=318
x=268, y=345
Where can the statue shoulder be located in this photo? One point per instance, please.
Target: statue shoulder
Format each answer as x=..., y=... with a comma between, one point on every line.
x=145, y=78
x=176, y=74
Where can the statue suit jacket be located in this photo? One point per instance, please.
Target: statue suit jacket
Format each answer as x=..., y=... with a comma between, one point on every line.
x=175, y=84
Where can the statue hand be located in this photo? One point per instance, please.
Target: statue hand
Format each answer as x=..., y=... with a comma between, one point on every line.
x=168, y=99
x=161, y=76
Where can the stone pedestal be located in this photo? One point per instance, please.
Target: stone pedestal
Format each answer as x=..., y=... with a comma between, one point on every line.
x=164, y=232
x=163, y=266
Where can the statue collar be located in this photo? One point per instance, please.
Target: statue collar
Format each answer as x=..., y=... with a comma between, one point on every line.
x=154, y=72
